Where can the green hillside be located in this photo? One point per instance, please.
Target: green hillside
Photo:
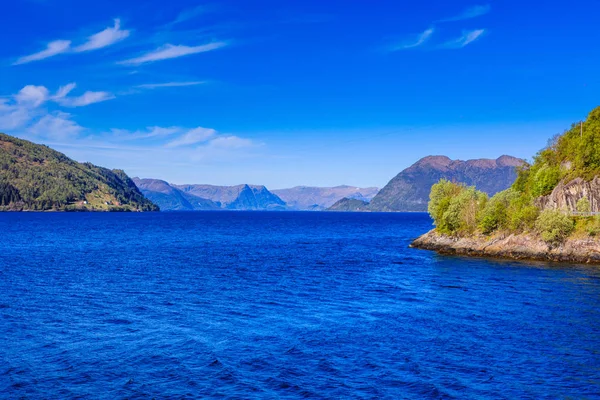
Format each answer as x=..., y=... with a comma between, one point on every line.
x=539, y=200
x=35, y=177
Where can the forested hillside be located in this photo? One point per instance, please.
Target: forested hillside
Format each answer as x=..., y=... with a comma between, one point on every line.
x=35, y=177
x=556, y=196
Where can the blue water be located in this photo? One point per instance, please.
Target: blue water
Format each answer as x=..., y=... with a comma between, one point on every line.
x=282, y=305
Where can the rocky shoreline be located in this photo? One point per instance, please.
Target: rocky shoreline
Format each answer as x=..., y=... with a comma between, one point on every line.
x=516, y=247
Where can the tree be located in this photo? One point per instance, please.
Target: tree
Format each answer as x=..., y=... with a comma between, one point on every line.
x=583, y=205
x=554, y=226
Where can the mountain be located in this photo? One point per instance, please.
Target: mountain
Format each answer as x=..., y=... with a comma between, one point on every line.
x=409, y=190
x=347, y=204
x=173, y=197
x=240, y=197
x=320, y=198
x=35, y=177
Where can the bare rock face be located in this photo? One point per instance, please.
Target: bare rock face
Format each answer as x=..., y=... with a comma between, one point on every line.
x=566, y=195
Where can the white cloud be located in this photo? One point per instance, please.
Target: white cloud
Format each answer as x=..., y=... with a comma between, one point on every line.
x=104, y=38
x=24, y=110
x=469, y=13
x=150, y=132
x=193, y=136
x=96, y=41
x=32, y=96
x=467, y=38
x=56, y=125
x=188, y=14
x=230, y=142
x=85, y=99
x=169, y=51
x=12, y=117
x=52, y=49
x=63, y=91
x=169, y=84
x=420, y=40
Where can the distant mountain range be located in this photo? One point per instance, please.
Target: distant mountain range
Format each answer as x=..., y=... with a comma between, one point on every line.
x=34, y=177
x=321, y=198
x=173, y=197
x=409, y=190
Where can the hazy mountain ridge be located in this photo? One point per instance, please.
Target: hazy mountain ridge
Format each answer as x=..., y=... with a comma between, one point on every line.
x=319, y=198
x=409, y=190
x=192, y=197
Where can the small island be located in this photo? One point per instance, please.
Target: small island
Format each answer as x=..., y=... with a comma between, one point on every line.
x=551, y=212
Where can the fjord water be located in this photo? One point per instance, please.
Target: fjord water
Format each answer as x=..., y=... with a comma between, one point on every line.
x=282, y=305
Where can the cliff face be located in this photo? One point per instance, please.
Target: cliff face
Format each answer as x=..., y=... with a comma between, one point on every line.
x=409, y=190
x=518, y=247
x=566, y=195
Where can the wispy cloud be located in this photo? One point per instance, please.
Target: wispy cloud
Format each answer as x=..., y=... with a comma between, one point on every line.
x=148, y=133
x=231, y=142
x=85, y=99
x=56, y=125
x=169, y=84
x=169, y=51
x=63, y=91
x=25, y=110
x=469, y=13
x=188, y=14
x=104, y=38
x=193, y=136
x=419, y=40
x=53, y=48
x=61, y=97
x=467, y=38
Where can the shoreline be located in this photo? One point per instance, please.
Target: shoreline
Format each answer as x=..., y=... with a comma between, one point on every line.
x=513, y=247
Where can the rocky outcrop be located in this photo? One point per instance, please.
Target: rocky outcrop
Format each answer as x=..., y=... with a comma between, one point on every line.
x=518, y=247
x=566, y=195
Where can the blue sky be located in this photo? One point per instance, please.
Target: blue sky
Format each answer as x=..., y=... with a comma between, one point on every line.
x=287, y=93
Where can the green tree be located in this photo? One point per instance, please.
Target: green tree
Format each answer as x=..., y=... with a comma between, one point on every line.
x=583, y=205
x=554, y=226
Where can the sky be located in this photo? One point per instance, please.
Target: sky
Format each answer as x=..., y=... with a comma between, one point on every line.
x=287, y=93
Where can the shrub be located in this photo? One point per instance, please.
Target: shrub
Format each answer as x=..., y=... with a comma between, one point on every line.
x=454, y=207
x=495, y=215
x=554, y=226
x=545, y=180
x=462, y=212
x=593, y=227
x=583, y=205
x=439, y=198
